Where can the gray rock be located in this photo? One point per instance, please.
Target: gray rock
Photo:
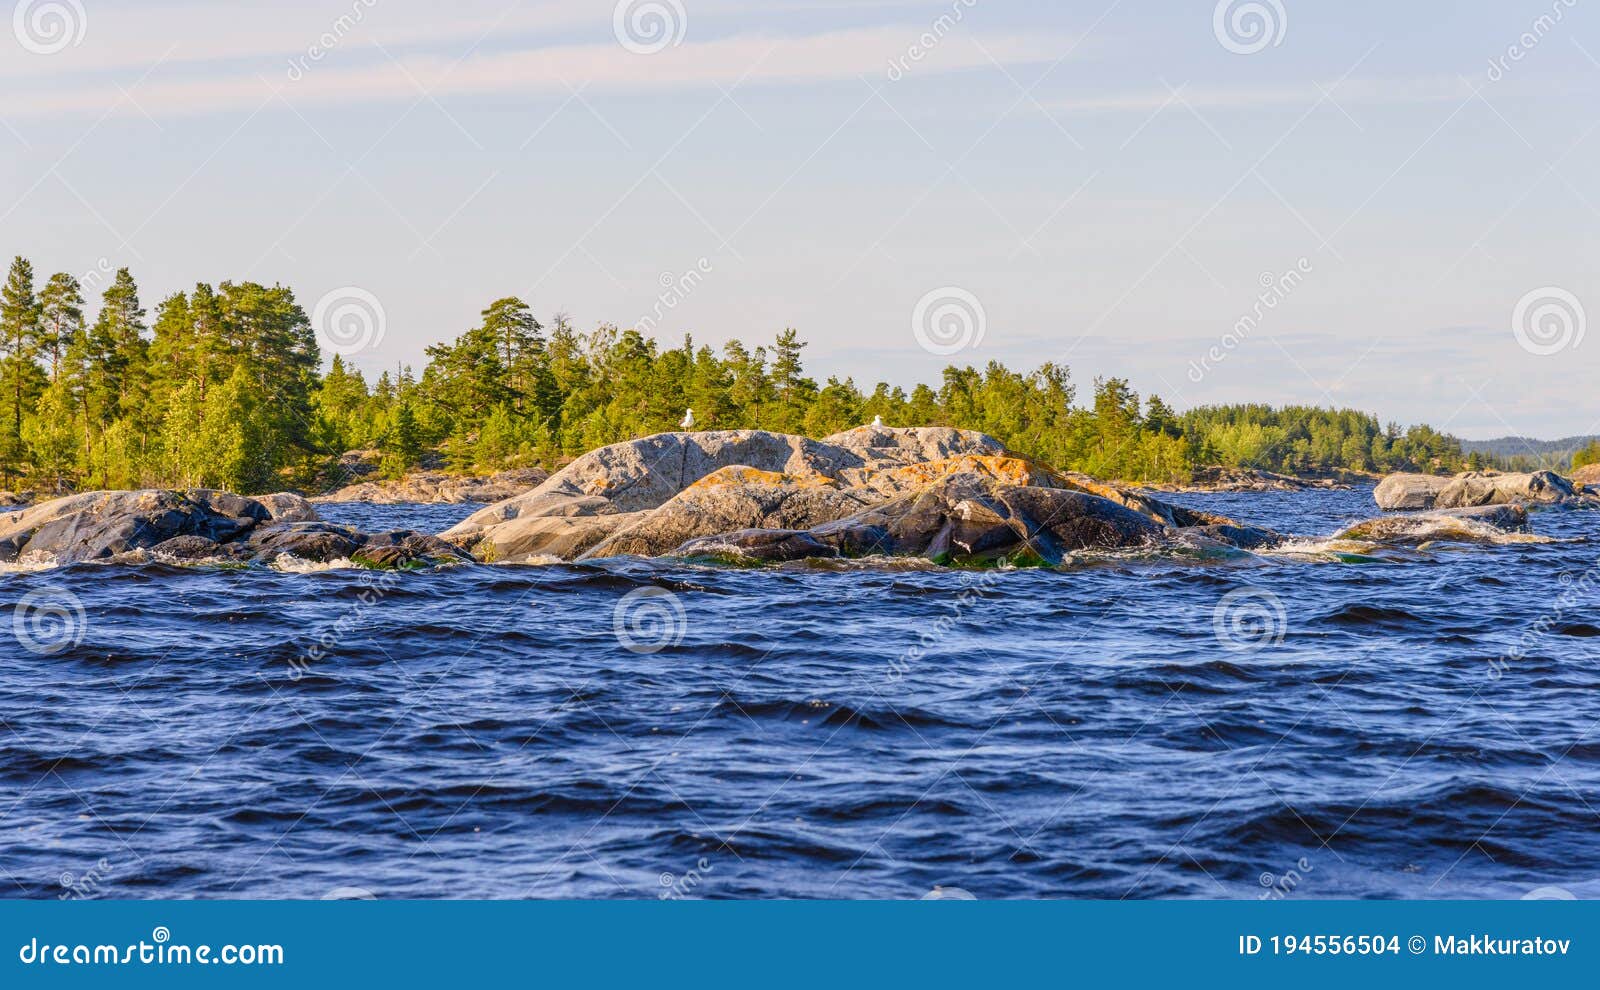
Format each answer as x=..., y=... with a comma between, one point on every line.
x=644, y=474
x=288, y=507
x=437, y=487
x=1426, y=491
x=708, y=510
x=198, y=525
x=964, y=519
x=1409, y=491
x=101, y=525
x=764, y=546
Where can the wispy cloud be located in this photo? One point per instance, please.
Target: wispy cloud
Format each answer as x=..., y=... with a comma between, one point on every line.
x=747, y=58
x=1431, y=89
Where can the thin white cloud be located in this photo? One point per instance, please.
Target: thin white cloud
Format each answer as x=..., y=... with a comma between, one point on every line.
x=1432, y=89
x=553, y=69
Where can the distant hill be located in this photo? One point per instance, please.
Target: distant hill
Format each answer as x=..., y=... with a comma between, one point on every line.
x=1550, y=452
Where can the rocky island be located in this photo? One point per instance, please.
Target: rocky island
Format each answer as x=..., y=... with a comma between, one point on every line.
x=949, y=496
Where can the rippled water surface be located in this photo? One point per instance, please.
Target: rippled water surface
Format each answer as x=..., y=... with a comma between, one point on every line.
x=816, y=731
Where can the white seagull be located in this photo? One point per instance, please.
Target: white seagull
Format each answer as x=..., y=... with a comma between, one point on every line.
x=688, y=419
x=877, y=421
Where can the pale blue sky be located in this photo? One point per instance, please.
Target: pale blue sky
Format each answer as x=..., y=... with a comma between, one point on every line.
x=1109, y=180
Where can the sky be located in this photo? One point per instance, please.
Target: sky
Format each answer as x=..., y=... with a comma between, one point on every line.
x=1393, y=207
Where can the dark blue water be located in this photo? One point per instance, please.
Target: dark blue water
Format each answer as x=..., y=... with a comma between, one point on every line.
x=816, y=731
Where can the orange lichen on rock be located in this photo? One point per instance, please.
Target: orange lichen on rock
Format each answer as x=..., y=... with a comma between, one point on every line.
x=1006, y=470
x=740, y=474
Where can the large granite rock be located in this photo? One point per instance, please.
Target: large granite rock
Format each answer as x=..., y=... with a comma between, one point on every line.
x=1588, y=476
x=197, y=525
x=1409, y=491
x=644, y=474
x=732, y=499
x=932, y=492
x=1422, y=491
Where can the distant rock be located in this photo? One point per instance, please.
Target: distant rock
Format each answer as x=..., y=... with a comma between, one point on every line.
x=434, y=486
x=1588, y=476
x=198, y=525
x=748, y=494
x=1231, y=479
x=1474, y=488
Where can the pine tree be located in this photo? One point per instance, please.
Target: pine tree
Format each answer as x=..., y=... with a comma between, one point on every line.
x=60, y=318
x=19, y=369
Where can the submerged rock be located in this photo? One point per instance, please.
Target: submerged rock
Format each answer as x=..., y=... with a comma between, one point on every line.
x=1476, y=524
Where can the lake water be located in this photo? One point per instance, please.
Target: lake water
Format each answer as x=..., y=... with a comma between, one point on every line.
x=1306, y=725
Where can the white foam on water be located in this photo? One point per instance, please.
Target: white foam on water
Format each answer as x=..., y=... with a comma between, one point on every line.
x=290, y=564
x=29, y=563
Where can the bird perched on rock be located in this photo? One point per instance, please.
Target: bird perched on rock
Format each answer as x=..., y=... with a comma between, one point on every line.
x=877, y=421
x=688, y=419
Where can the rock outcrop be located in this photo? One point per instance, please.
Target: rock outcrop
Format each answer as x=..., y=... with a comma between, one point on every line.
x=938, y=493
x=1588, y=476
x=1476, y=524
x=1230, y=479
x=1426, y=491
x=199, y=525
x=434, y=486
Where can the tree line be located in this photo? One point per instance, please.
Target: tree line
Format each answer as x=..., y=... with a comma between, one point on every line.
x=221, y=386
